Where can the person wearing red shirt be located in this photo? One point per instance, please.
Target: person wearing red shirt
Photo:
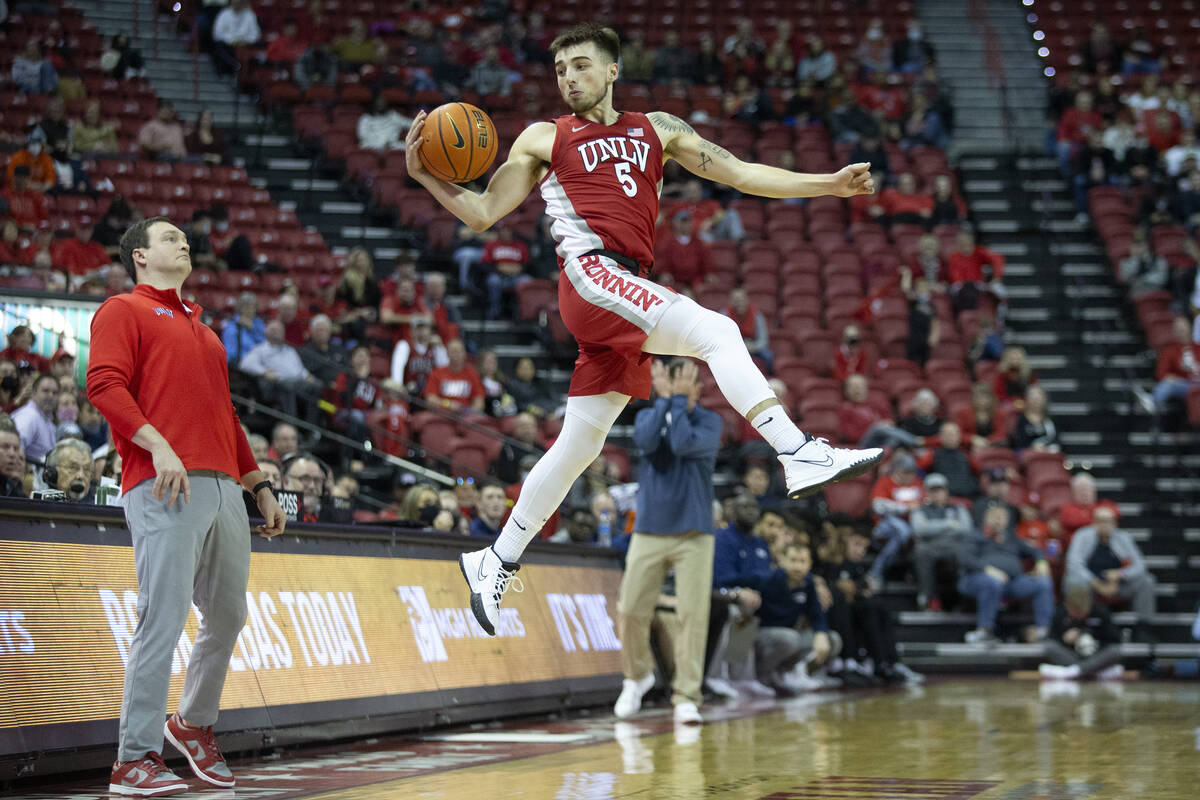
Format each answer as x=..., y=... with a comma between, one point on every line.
x=868, y=207
x=707, y=214
x=12, y=245
x=862, y=422
x=287, y=47
x=508, y=258
x=19, y=351
x=445, y=319
x=26, y=206
x=752, y=324
x=295, y=320
x=402, y=307
x=904, y=204
x=1178, y=366
x=456, y=385
x=394, y=401
x=1164, y=130
x=1084, y=502
x=973, y=269
x=158, y=374
x=880, y=98
x=1073, y=127
x=1013, y=377
x=356, y=393
x=850, y=358
x=893, y=497
x=82, y=254
x=681, y=259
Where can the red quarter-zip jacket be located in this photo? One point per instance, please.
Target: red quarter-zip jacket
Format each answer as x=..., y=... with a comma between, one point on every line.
x=153, y=361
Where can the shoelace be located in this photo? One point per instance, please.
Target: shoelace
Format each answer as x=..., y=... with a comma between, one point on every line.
x=207, y=741
x=505, y=580
x=156, y=765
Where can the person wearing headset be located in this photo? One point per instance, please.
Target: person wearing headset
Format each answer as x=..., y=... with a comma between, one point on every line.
x=69, y=469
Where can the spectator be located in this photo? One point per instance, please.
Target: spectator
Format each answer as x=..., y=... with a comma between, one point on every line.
x=287, y=46
x=162, y=136
x=70, y=175
x=1083, y=506
x=974, y=269
x=69, y=470
x=787, y=594
x=741, y=567
x=490, y=511
x=121, y=60
x=818, y=63
x=32, y=72
x=359, y=291
x=81, y=255
x=1178, y=367
x=355, y=49
x=37, y=160
x=272, y=470
x=54, y=122
x=236, y=26
x=1175, y=157
x=912, y=53
x=231, y=248
x=637, y=62
x=113, y=225
x=924, y=421
x=709, y=69
x=11, y=243
x=421, y=506
x=304, y=475
x=489, y=76
x=874, y=53
x=1033, y=427
x=952, y=461
x=414, y=360
x=1142, y=270
x=382, y=127
x=281, y=373
x=260, y=448
x=679, y=442
x=851, y=358
x=1101, y=54
x=321, y=356
x=507, y=466
x=508, y=259
x=527, y=393
x=206, y=141
x=356, y=394
x=93, y=425
x=496, y=401
x=1139, y=56
x=35, y=420
x=12, y=464
x=752, y=324
x=988, y=344
x=672, y=61
x=295, y=322
x=747, y=102
x=20, y=353
x=680, y=259
x=757, y=481
x=316, y=66
x=457, y=385
x=995, y=493
x=285, y=441
x=446, y=319
x=892, y=499
x=924, y=326
x=984, y=424
x=1164, y=130
x=1107, y=560
x=991, y=572
x=245, y=331
x=948, y=207
x=1013, y=376
x=862, y=422
x=1073, y=129
x=940, y=529
x=709, y=220
x=881, y=99
x=1083, y=641
x=404, y=307
x=927, y=262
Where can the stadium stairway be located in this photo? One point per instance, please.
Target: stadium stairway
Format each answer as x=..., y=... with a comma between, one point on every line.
x=175, y=70
x=1068, y=313
x=983, y=52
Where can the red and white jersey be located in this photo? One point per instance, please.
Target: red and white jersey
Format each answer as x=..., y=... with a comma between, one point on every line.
x=603, y=185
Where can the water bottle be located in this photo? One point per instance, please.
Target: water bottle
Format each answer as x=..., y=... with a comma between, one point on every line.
x=604, y=529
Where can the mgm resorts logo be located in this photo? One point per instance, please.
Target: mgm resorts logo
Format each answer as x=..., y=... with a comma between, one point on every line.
x=432, y=626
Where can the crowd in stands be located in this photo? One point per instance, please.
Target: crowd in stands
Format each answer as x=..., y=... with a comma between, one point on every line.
x=1125, y=124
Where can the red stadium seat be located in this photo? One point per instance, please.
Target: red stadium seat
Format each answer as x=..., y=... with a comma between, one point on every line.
x=850, y=497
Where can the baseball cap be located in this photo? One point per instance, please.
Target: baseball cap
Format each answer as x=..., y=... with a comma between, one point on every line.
x=66, y=430
x=904, y=463
x=997, y=474
x=936, y=480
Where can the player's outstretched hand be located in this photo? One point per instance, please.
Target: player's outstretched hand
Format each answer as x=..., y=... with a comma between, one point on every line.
x=412, y=146
x=852, y=180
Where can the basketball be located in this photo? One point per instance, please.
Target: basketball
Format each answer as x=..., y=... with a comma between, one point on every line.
x=459, y=142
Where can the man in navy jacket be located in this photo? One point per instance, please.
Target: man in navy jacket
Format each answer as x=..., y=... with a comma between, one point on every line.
x=679, y=442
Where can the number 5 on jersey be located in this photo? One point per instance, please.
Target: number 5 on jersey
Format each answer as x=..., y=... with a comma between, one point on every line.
x=627, y=183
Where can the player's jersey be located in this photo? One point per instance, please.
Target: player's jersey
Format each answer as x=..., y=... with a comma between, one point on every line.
x=603, y=185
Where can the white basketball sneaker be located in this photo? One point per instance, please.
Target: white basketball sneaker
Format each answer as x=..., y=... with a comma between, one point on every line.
x=816, y=464
x=488, y=578
x=632, y=692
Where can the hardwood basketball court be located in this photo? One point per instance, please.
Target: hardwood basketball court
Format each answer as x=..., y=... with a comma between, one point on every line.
x=951, y=740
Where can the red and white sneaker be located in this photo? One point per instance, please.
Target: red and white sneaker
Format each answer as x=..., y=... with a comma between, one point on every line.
x=147, y=776
x=199, y=747
x=816, y=464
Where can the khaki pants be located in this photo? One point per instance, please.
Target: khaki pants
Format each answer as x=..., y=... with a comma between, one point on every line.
x=649, y=559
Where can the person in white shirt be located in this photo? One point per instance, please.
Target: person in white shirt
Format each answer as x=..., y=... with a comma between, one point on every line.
x=1177, y=155
x=281, y=373
x=382, y=128
x=235, y=26
x=413, y=361
x=35, y=419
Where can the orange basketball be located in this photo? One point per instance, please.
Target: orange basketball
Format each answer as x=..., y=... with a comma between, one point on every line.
x=459, y=142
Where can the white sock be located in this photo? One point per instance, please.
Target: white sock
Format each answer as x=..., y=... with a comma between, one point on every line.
x=516, y=534
x=779, y=431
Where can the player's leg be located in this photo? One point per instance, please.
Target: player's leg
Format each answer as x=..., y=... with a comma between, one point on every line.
x=688, y=329
x=585, y=427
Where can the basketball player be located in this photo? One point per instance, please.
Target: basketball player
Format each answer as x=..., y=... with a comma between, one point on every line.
x=600, y=172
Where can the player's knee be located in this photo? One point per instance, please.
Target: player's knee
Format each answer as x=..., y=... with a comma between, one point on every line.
x=721, y=328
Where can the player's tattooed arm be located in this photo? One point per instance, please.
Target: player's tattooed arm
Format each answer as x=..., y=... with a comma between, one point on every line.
x=669, y=122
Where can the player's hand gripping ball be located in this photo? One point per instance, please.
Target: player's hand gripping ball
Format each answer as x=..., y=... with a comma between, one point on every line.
x=459, y=142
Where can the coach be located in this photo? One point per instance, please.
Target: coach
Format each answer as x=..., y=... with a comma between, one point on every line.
x=679, y=443
x=158, y=374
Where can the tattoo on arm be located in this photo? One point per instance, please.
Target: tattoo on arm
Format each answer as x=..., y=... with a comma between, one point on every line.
x=704, y=161
x=670, y=122
x=715, y=149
